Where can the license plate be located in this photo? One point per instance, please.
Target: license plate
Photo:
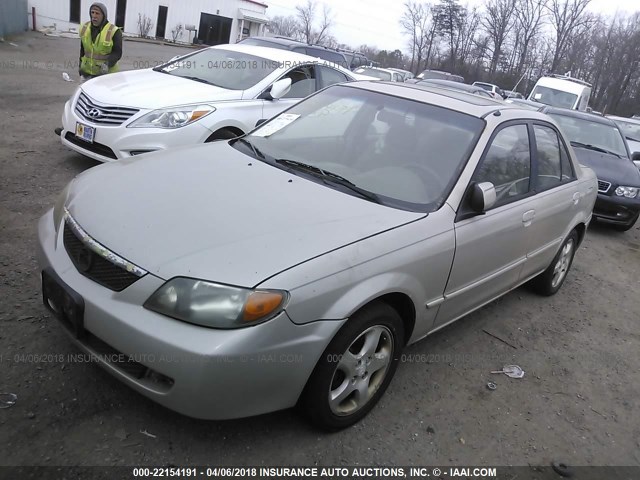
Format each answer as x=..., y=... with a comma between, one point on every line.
x=64, y=303
x=85, y=132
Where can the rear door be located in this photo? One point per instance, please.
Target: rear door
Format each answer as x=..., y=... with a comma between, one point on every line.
x=558, y=197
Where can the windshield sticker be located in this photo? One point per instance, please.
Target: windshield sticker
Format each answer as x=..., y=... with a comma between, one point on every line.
x=276, y=124
x=537, y=96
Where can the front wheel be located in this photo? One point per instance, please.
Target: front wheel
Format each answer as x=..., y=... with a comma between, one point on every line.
x=550, y=281
x=355, y=369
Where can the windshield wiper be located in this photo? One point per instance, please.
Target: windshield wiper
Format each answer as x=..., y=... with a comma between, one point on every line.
x=594, y=148
x=632, y=139
x=331, y=177
x=256, y=152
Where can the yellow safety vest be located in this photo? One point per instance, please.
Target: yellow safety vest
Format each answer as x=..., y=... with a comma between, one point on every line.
x=96, y=53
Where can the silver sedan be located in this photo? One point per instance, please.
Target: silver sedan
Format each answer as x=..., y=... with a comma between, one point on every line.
x=292, y=265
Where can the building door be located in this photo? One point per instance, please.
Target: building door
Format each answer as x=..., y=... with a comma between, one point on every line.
x=74, y=11
x=214, y=29
x=121, y=9
x=162, y=22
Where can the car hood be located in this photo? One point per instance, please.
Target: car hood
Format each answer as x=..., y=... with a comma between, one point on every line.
x=211, y=212
x=148, y=89
x=618, y=171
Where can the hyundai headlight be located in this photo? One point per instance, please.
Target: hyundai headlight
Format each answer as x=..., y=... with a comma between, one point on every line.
x=173, y=117
x=628, y=192
x=215, y=305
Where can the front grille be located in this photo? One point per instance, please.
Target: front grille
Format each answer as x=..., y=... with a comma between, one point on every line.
x=94, y=147
x=100, y=114
x=93, y=266
x=603, y=187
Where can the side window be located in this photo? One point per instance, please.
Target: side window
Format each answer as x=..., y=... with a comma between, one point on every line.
x=554, y=166
x=329, y=76
x=507, y=164
x=303, y=81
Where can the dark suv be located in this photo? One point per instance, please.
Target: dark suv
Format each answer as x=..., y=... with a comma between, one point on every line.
x=285, y=43
x=599, y=144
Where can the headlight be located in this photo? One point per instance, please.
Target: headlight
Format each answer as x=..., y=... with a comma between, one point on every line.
x=215, y=305
x=58, y=207
x=629, y=192
x=173, y=117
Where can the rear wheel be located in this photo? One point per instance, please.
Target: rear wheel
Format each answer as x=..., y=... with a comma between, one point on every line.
x=355, y=369
x=550, y=281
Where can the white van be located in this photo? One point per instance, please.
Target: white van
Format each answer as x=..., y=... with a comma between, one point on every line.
x=562, y=91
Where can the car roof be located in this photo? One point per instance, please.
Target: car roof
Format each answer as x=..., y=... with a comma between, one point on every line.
x=454, y=100
x=451, y=84
x=591, y=117
x=635, y=121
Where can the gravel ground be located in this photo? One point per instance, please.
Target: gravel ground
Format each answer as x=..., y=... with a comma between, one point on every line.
x=578, y=402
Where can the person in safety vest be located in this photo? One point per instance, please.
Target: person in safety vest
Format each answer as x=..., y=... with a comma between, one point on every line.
x=100, y=44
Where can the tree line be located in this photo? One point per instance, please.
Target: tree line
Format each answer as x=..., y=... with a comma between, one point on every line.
x=508, y=42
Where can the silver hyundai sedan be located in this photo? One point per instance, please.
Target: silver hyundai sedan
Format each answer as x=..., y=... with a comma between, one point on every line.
x=292, y=265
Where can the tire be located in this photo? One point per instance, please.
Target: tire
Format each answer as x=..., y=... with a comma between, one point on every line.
x=550, y=281
x=222, y=134
x=628, y=226
x=372, y=338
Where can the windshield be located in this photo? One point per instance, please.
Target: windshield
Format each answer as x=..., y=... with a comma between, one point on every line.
x=406, y=154
x=222, y=68
x=553, y=97
x=629, y=130
x=381, y=74
x=588, y=133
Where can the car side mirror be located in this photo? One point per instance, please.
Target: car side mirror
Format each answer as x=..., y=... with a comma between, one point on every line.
x=280, y=88
x=483, y=197
x=635, y=156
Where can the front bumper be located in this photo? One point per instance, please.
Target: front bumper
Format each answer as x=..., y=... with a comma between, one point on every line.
x=196, y=371
x=115, y=142
x=616, y=210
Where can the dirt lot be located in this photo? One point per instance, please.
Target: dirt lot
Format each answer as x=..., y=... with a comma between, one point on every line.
x=579, y=401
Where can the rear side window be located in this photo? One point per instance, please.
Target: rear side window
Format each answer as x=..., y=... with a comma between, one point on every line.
x=329, y=76
x=554, y=167
x=507, y=164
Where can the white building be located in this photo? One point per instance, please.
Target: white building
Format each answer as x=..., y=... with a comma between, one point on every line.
x=204, y=21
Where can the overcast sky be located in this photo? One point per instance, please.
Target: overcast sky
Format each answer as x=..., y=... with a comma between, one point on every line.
x=375, y=22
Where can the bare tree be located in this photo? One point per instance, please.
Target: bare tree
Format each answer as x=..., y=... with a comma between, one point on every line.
x=417, y=21
x=498, y=21
x=529, y=18
x=566, y=17
x=285, y=26
x=144, y=25
x=306, y=18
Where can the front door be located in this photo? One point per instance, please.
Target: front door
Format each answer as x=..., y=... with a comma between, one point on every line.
x=162, y=22
x=121, y=9
x=214, y=29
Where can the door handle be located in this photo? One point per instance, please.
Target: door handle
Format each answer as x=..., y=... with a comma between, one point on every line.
x=527, y=217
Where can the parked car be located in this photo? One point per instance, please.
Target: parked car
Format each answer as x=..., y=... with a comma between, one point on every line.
x=463, y=87
x=406, y=74
x=355, y=59
x=438, y=75
x=512, y=94
x=494, y=90
x=285, y=43
x=385, y=74
x=630, y=128
x=599, y=144
x=215, y=93
x=292, y=265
